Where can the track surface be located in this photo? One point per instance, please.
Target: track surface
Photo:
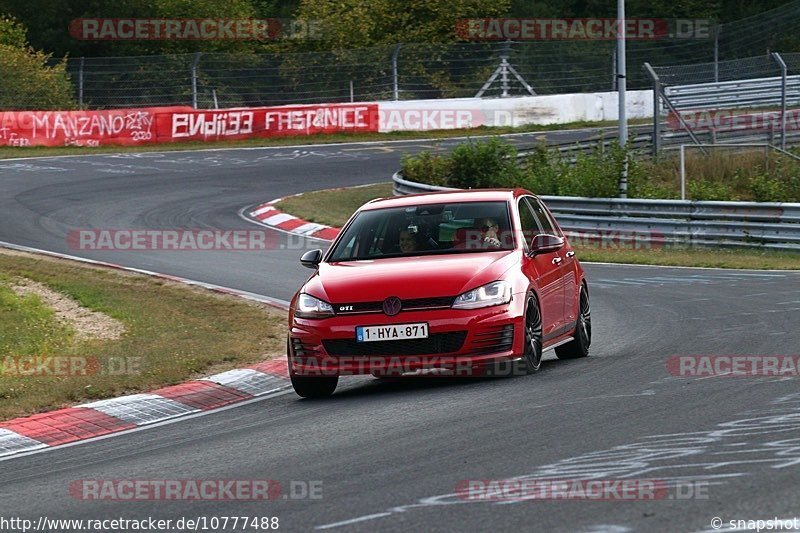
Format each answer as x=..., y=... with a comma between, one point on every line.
x=390, y=453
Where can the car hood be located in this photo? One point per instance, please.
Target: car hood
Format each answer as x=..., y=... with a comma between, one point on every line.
x=407, y=277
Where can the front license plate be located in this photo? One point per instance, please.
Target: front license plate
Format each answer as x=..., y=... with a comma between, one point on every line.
x=394, y=332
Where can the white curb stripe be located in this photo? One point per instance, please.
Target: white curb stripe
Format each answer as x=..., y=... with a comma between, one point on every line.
x=307, y=229
x=262, y=210
x=12, y=443
x=249, y=381
x=141, y=409
x=279, y=219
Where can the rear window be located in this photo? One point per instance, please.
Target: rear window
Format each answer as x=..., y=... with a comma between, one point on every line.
x=446, y=228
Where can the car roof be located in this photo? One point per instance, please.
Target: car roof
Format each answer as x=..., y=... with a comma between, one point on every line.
x=471, y=195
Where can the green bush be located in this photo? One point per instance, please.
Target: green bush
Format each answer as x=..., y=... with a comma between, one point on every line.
x=542, y=170
x=705, y=189
x=433, y=169
x=767, y=189
x=483, y=164
x=494, y=163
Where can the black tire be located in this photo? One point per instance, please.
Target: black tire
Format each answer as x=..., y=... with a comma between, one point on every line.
x=311, y=386
x=314, y=386
x=582, y=339
x=532, y=354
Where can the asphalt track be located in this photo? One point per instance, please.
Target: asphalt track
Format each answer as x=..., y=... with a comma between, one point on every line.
x=390, y=454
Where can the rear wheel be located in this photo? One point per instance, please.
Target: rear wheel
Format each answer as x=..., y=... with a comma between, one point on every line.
x=532, y=354
x=579, y=345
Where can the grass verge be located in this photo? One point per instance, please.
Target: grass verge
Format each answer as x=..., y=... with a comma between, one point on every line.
x=174, y=333
x=40, y=151
x=334, y=206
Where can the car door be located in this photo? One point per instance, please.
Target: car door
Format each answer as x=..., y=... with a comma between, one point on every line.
x=567, y=265
x=543, y=270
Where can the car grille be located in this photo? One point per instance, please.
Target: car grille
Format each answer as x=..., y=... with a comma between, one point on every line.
x=408, y=305
x=438, y=343
x=498, y=339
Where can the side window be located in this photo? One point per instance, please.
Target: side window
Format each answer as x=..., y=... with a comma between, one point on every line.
x=377, y=237
x=530, y=227
x=541, y=216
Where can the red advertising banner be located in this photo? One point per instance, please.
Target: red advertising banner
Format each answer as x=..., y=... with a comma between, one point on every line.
x=169, y=124
x=81, y=128
x=267, y=122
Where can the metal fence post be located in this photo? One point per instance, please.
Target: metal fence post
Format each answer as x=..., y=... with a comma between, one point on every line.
x=504, y=76
x=781, y=63
x=717, y=30
x=395, y=81
x=656, y=108
x=683, y=172
x=80, y=82
x=614, y=68
x=195, y=61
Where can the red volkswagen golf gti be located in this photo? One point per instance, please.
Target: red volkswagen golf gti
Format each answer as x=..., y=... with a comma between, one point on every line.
x=465, y=282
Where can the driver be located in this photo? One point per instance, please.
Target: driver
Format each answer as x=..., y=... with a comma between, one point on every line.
x=489, y=229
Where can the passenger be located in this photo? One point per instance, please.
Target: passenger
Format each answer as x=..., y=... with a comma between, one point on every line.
x=407, y=242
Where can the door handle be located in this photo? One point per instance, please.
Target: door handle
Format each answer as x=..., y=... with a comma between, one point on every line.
x=571, y=253
x=556, y=260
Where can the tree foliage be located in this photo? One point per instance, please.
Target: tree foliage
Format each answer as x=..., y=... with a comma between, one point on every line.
x=26, y=80
x=344, y=23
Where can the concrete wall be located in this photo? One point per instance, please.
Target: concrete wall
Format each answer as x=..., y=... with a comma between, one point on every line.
x=416, y=115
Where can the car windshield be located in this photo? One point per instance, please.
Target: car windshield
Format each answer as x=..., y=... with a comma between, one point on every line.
x=429, y=229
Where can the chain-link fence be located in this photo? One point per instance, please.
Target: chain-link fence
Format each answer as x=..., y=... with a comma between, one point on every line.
x=753, y=99
x=418, y=71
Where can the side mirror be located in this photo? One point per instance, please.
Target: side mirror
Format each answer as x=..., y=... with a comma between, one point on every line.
x=311, y=258
x=545, y=243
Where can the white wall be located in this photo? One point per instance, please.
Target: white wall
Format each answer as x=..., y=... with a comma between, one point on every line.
x=416, y=115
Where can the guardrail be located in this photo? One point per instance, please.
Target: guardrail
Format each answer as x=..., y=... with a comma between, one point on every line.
x=737, y=224
x=738, y=94
x=671, y=140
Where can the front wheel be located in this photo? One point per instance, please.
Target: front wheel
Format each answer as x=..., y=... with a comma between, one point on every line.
x=532, y=354
x=579, y=345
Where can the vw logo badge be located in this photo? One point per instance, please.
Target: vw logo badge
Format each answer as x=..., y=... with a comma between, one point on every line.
x=392, y=305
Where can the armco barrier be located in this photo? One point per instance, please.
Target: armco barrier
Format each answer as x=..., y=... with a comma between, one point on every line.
x=169, y=124
x=741, y=224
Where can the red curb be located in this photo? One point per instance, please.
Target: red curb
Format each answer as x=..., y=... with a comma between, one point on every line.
x=66, y=425
x=203, y=395
x=274, y=367
x=328, y=233
x=289, y=225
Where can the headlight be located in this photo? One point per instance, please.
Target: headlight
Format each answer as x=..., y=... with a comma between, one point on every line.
x=309, y=307
x=495, y=293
